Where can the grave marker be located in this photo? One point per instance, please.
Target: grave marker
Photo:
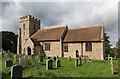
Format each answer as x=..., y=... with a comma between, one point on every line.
x=76, y=62
x=57, y=63
x=49, y=64
x=8, y=63
x=16, y=72
x=69, y=58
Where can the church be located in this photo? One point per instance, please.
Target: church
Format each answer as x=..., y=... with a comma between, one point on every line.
x=60, y=41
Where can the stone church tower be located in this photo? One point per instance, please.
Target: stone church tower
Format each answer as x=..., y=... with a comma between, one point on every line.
x=28, y=25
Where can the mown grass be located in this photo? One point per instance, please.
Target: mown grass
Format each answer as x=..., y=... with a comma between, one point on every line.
x=35, y=68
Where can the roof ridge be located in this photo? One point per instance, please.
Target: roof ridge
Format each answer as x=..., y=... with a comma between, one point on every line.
x=87, y=27
x=51, y=28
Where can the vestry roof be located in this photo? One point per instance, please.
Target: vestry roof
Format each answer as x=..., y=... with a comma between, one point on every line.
x=49, y=34
x=84, y=34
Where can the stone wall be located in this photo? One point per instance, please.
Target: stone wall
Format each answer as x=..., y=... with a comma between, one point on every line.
x=54, y=48
x=96, y=53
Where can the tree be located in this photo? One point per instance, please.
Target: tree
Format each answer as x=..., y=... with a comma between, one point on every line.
x=9, y=41
x=107, y=44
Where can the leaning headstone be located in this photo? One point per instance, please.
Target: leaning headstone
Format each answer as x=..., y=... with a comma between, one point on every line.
x=108, y=57
x=48, y=57
x=80, y=62
x=76, y=62
x=57, y=63
x=22, y=61
x=16, y=72
x=8, y=63
x=41, y=58
x=84, y=59
x=69, y=58
x=54, y=58
x=32, y=56
x=49, y=64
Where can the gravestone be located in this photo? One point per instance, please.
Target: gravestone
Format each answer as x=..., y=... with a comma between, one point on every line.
x=57, y=63
x=22, y=61
x=115, y=57
x=69, y=58
x=80, y=62
x=48, y=57
x=84, y=59
x=54, y=58
x=15, y=58
x=32, y=56
x=108, y=57
x=57, y=57
x=26, y=57
x=76, y=62
x=16, y=72
x=49, y=64
x=41, y=58
x=38, y=56
x=8, y=63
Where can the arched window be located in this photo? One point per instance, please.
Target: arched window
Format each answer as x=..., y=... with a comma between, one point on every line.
x=23, y=26
x=34, y=26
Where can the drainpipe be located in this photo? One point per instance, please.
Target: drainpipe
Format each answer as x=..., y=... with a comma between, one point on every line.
x=61, y=54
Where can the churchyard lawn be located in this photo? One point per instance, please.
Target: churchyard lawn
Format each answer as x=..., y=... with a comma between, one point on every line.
x=35, y=68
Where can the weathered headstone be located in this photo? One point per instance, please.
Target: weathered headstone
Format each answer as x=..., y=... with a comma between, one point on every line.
x=32, y=56
x=16, y=72
x=54, y=58
x=57, y=63
x=41, y=58
x=8, y=63
x=48, y=57
x=69, y=58
x=22, y=61
x=80, y=62
x=26, y=57
x=115, y=57
x=108, y=57
x=38, y=56
x=84, y=59
x=49, y=64
x=57, y=57
x=15, y=58
x=76, y=62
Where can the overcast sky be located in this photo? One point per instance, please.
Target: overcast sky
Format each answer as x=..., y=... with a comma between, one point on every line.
x=74, y=14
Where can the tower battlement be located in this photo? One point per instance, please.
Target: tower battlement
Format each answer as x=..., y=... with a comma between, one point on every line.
x=29, y=18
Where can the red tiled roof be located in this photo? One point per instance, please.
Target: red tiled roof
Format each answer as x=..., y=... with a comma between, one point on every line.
x=84, y=34
x=48, y=34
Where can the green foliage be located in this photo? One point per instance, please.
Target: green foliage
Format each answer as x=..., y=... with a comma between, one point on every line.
x=107, y=44
x=9, y=41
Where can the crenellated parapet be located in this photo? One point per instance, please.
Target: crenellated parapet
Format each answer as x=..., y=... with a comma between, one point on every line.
x=29, y=18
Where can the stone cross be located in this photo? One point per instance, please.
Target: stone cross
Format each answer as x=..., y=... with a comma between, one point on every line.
x=8, y=63
x=76, y=62
x=54, y=58
x=111, y=60
x=84, y=59
x=16, y=72
x=80, y=62
x=57, y=63
x=69, y=58
x=41, y=58
x=108, y=57
x=49, y=64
